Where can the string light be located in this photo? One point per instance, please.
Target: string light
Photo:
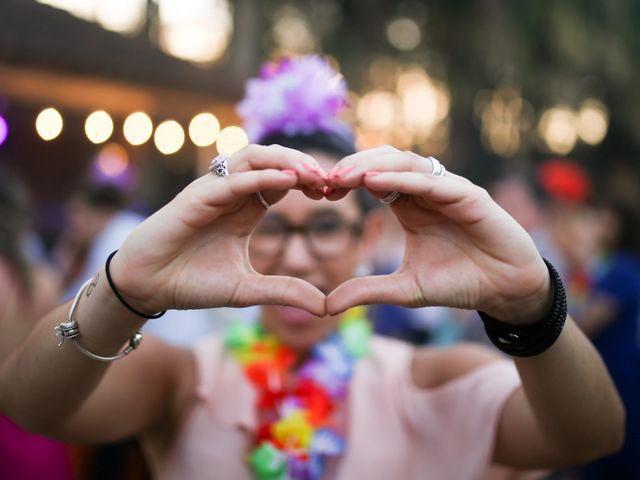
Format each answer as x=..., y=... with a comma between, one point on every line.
x=204, y=129
x=4, y=130
x=98, y=126
x=137, y=128
x=49, y=124
x=169, y=137
x=231, y=139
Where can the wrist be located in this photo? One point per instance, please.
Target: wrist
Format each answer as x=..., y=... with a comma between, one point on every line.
x=526, y=340
x=132, y=303
x=105, y=324
x=531, y=308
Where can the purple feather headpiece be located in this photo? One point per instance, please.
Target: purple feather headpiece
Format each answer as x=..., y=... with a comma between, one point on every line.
x=295, y=96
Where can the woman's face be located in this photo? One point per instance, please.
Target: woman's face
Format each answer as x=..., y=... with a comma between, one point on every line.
x=318, y=241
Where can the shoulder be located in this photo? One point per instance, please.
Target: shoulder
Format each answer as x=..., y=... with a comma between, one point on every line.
x=432, y=367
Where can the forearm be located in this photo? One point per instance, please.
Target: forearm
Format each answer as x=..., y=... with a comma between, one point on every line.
x=572, y=396
x=41, y=383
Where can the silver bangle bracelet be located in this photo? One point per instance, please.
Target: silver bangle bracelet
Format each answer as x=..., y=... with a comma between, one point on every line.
x=70, y=330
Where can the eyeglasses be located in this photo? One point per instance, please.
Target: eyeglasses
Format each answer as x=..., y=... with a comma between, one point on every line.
x=325, y=235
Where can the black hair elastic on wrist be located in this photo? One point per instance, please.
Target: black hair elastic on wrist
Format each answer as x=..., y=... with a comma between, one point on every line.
x=119, y=296
x=530, y=340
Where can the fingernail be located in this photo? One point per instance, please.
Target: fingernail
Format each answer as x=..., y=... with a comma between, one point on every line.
x=327, y=190
x=371, y=173
x=289, y=171
x=315, y=169
x=342, y=172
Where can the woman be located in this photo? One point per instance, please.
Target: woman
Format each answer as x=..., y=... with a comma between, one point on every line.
x=308, y=394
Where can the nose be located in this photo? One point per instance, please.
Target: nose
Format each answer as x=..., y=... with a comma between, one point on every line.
x=296, y=257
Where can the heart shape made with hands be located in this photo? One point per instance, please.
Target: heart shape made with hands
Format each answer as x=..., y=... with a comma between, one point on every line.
x=461, y=249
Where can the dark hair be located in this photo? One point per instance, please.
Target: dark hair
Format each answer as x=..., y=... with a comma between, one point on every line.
x=628, y=235
x=331, y=144
x=15, y=212
x=106, y=197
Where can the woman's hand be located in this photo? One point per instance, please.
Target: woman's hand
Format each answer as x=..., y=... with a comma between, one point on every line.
x=462, y=250
x=193, y=252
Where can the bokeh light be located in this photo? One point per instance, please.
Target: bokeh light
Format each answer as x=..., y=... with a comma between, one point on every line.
x=112, y=160
x=125, y=16
x=195, y=30
x=404, y=34
x=98, y=126
x=505, y=116
x=425, y=102
x=49, y=124
x=204, y=129
x=378, y=109
x=292, y=32
x=137, y=128
x=593, y=121
x=231, y=139
x=169, y=137
x=121, y=15
x=558, y=129
x=4, y=130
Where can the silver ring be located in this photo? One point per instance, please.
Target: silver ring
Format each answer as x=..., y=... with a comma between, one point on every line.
x=389, y=199
x=438, y=169
x=219, y=166
x=261, y=199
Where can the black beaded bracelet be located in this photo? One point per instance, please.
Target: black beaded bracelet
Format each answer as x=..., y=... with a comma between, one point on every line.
x=530, y=340
x=119, y=296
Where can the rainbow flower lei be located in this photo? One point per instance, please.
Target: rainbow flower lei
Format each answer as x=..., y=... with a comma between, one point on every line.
x=298, y=433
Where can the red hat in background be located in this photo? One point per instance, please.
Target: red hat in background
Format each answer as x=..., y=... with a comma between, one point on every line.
x=564, y=180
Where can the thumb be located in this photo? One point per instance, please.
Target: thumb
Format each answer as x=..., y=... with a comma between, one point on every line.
x=256, y=289
x=392, y=289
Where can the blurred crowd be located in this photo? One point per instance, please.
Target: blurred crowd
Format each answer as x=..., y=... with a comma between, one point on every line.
x=591, y=238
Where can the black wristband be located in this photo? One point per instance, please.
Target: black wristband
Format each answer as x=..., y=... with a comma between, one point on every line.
x=117, y=293
x=530, y=340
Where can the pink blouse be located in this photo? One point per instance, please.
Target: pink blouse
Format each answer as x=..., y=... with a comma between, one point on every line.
x=394, y=430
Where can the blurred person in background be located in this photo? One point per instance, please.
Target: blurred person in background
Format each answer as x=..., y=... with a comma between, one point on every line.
x=97, y=221
x=27, y=291
x=610, y=317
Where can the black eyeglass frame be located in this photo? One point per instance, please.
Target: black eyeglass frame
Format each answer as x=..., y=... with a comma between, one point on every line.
x=356, y=229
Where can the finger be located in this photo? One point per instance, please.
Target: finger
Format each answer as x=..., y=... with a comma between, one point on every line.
x=461, y=201
x=350, y=176
x=256, y=289
x=363, y=156
x=216, y=191
x=395, y=289
x=436, y=189
x=334, y=194
x=272, y=197
x=260, y=157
